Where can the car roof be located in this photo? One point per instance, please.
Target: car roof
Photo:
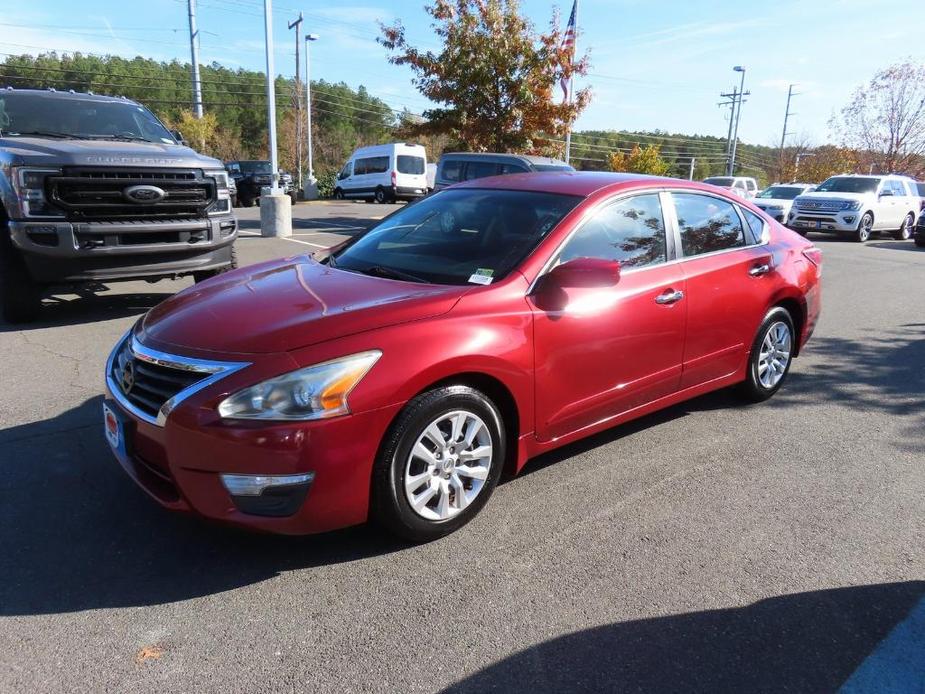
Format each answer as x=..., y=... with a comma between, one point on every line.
x=503, y=156
x=55, y=94
x=581, y=183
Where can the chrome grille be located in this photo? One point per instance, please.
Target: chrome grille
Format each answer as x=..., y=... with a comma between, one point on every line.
x=88, y=193
x=823, y=205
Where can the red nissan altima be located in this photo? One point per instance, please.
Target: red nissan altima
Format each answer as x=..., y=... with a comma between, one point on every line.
x=396, y=378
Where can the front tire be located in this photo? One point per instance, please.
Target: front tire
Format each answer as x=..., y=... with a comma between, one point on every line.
x=439, y=463
x=203, y=275
x=865, y=228
x=338, y=194
x=770, y=357
x=20, y=295
x=904, y=233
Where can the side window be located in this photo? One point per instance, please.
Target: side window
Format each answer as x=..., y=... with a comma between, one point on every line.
x=451, y=170
x=376, y=165
x=345, y=172
x=631, y=231
x=899, y=189
x=751, y=185
x=512, y=169
x=359, y=167
x=707, y=224
x=755, y=226
x=480, y=169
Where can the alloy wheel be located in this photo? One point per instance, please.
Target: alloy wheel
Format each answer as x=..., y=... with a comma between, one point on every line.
x=774, y=357
x=448, y=465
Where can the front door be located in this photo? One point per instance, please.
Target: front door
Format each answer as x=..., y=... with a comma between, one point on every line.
x=611, y=349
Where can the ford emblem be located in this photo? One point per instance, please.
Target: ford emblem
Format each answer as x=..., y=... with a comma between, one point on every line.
x=144, y=194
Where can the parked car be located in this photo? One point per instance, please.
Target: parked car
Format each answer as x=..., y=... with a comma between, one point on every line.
x=384, y=173
x=233, y=191
x=742, y=186
x=920, y=189
x=396, y=378
x=96, y=189
x=777, y=199
x=465, y=166
x=919, y=233
x=859, y=206
x=250, y=176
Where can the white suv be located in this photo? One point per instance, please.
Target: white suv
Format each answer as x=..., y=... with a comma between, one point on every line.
x=858, y=205
x=743, y=186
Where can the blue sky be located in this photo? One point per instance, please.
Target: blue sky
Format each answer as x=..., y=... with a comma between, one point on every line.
x=655, y=65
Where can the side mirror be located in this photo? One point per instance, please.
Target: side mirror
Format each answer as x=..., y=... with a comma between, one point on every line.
x=886, y=193
x=178, y=136
x=580, y=273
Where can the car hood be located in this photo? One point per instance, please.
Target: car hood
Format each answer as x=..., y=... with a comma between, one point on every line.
x=41, y=151
x=287, y=304
x=851, y=197
x=765, y=202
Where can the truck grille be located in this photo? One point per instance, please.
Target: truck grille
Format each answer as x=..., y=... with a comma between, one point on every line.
x=101, y=194
x=148, y=385
x=823, y=205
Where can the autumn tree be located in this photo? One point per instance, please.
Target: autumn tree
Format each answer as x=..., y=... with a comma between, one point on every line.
x=887, y=119
x=495, y=78
x=643, y=160
x=816, y=165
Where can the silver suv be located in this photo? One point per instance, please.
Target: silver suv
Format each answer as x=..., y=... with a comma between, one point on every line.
x=858, y=206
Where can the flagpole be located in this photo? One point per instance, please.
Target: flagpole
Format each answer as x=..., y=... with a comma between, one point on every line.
x=571, y=88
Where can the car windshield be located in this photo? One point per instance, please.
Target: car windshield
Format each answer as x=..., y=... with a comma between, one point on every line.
x=67, y=116
x=845, y=184
x=256, y=167
x=722, y=181
x=780, y=192
x=457, y=236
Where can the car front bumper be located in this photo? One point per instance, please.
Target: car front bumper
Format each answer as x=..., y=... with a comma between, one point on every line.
x=182, y=463
x=815, y=220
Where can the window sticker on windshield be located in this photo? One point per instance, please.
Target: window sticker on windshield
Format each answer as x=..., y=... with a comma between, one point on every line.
x=482, y=276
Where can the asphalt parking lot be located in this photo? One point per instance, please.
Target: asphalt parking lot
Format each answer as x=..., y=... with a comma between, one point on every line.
x=710, y=547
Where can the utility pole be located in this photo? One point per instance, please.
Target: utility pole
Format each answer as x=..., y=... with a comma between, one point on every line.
x=732, y=98
x=571, y=37
x=271, y=94
x=194, y=54
x=298, y=97
x=796, y=167
x=311, y=188
x=735, y=135
x=690, y=174
x=784, y=134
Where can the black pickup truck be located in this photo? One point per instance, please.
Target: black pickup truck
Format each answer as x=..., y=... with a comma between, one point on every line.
x=97, y=189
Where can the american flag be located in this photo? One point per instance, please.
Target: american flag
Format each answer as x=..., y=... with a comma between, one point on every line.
x=568, y=46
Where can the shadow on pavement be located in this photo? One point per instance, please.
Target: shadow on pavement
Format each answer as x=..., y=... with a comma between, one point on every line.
x=90, y=306
x=77, y=534
x=806, y=642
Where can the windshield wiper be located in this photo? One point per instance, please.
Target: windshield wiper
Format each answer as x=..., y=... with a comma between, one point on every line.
x=42, y=133
x=125, y=136
x=391, y=273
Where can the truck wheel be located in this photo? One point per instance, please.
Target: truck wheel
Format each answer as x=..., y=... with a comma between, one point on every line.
x=247, y=202
x=338, y=194
x=865, y=227
x=905, y=231
x=380, y=195
x=203, y=275
x=20, y=295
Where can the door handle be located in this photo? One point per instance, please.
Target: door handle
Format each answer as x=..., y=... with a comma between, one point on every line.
x=759, y=270
x=669, y=297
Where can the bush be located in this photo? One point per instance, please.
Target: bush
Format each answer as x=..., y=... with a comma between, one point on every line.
x=327, y=180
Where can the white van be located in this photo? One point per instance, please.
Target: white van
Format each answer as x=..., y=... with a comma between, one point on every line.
x=384, y=173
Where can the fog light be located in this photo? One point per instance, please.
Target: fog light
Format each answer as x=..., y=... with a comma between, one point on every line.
x=268, y=495
x=849, y=219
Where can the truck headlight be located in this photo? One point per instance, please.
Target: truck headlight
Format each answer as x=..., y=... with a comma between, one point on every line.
x=856, y=205
x=30, y=192
x=314, y=392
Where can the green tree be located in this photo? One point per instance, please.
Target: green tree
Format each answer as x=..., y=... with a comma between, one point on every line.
x=495, y=77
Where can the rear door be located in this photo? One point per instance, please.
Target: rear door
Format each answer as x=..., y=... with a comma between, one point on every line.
x=411, y=171
x=728, y=285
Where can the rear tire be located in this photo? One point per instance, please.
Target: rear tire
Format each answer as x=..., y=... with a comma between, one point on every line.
x=904, y=233
x=770, y=357
x=338, y=194
x=865, y=228
x=20, y=295
x=381, y=196
x=448, y=486
x=203, y=275
x=920, y=241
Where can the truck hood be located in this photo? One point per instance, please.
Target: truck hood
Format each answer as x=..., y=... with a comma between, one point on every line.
x=838, y=197
x=41, y=151
x=767, y=202
x=284, y=305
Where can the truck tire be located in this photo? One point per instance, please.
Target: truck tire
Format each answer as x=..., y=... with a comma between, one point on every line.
x=203, y=275
x=865, y=228
x=20, y=295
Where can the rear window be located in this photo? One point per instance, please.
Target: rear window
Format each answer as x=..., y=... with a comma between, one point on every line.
x=552, y=167
x=451, y=170
x=408, y=164
x=480, y=169
x=722, y=181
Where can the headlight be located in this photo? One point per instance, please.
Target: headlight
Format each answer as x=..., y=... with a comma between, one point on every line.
x=315, y=392
x=30, y=191
x=221, y=178
x=856, y=205
x=775, y=207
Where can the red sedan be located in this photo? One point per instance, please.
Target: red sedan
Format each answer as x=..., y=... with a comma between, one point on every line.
x=396, y=378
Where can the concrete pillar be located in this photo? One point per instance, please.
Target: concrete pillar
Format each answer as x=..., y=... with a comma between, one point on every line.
x=275, y=215
x=310, y=191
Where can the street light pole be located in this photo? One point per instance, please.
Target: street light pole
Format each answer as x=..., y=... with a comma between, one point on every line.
x=271, y=94
x=735, y=136
x=311, y=188
x=194, y=56
x=297, y=25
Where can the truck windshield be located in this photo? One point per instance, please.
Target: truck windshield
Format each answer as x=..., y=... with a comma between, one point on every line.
x=845, y=184
x=255, y=167
x=69, y=116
